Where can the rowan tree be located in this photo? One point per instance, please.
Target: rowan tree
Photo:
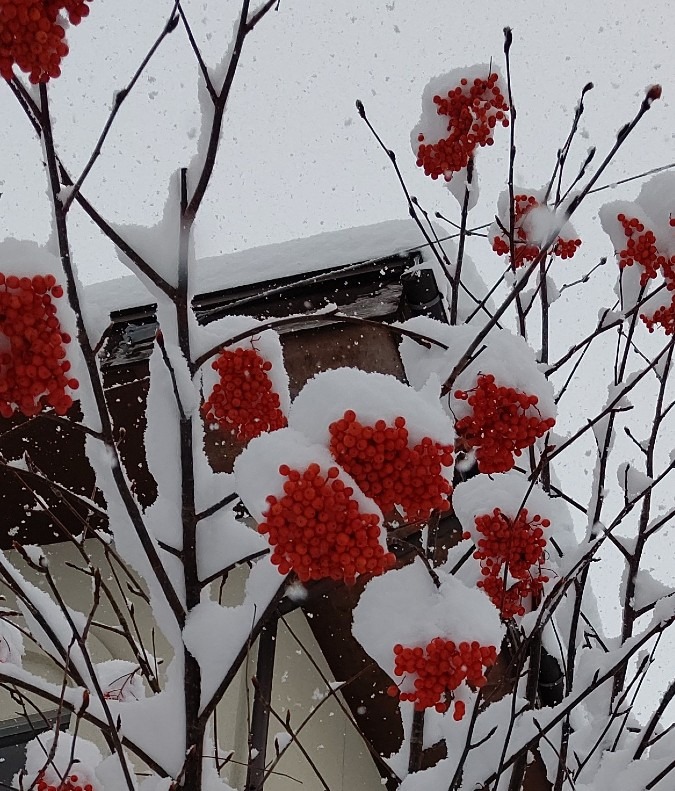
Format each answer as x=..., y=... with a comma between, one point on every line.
x=490, y=638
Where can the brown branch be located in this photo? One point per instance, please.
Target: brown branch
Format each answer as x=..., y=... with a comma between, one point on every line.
x=244, y=27
x=197, y=52
x=91, y=364
x=328, y=315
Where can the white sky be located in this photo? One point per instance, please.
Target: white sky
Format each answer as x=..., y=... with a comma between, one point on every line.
x=296, y=159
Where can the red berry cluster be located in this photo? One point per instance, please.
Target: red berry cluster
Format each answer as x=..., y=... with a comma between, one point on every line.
x=525, y=250
x=473, y=110
x=32, y=38
x=388, y=470
x=317, y=530
x=641, y=249
x=663, y=316
x=71, y=783
x=514, y=547
x=33, y=365
x=77, y=10
x=439, y=669
x=243, y=402
x=500, y=425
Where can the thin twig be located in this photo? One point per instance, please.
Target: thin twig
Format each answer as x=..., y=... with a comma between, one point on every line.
x=118, y=100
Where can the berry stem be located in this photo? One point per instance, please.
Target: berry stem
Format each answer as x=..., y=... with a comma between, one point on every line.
x=456, y=280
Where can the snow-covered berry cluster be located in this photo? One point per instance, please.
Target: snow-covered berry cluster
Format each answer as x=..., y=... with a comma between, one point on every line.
x=318, y=531
x=33, y=365
x=513, y=550
x=32, y=38
x=71, y=783
x=525, y=248
x=501, y=423
x=388, y=470
x=641, y=249
x=473, y=108
x=243, y=401
x=438, y=669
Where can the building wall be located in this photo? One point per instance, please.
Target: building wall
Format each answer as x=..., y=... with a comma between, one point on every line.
x=329, y=738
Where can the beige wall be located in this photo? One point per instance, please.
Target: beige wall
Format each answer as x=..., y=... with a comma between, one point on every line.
x=329, y=738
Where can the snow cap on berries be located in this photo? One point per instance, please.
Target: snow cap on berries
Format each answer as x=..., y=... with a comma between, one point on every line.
x=460, y=111
x=318, y=521
x=405, y=607
x=535, y=224
x=72, y=765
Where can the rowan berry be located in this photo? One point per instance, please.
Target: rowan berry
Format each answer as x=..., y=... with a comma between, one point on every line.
x=388, y=469
x=33, y=363
x=501, y=424
x=641, y=249
x=473, y=111
x=32, y=38
x=438, y=669
x=318, y=531
x=243, y=401
x=73, y=782
x=511, y=548
x=526, y=250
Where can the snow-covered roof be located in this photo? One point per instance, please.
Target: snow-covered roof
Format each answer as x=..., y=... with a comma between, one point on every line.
x=261, y=264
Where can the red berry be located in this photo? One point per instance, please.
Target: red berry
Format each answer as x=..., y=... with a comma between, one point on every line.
x=33, y=368
x=525, y=249
x=72, y=783
x=641, y=249
x=243, y=401
x=472, y=112
x=513, y=545
x=388, y=470
x=438, y=669
x=317, y=530
x=31, y=37
x=502, y=423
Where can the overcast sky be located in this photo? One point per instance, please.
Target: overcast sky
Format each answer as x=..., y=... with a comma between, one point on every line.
x=295, y=158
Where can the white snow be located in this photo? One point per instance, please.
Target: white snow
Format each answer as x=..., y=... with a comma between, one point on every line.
x=282, y=740
x=506, y=356
x=257, y=474
x=404, y=606
x=120, y=680
x=542, y=224
x=459, y=185
x=214, y=634
x=649, y=590
x=631, y=480
x=11, y=643
x=297, y=257
x=70, y=757
x=223, y=540
x=373, y=396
